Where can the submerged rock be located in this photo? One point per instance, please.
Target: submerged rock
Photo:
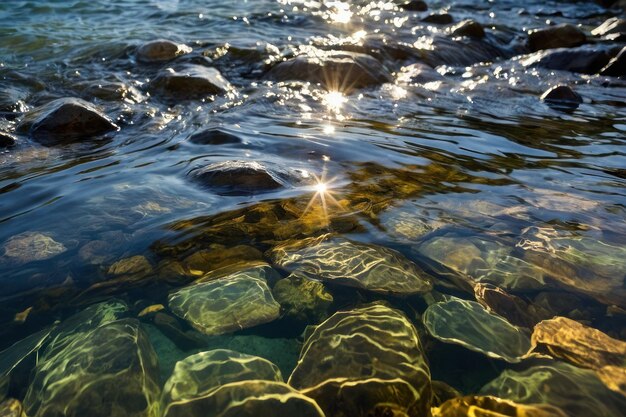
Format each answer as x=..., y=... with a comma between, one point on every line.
x=469, y=28
x=616, y=66
x=110, y=370
x=420, y=74
x=134, y=265
x=560, y=36
x=335, y=70
x=614, y=377
x=227, y=304
x=190, y=82
x=66, y=120
x=581, y=345
x=493, y=407
x=578, y=392
x=32, y=246
x=468, y=324
x=245, y=177
x=562, y=97
x=340, y=261
x=12, y=408
x=160, y=50
x=512, y=308
x=363, y=362
x=214, y=137
x=7, y=140
x=303, y=299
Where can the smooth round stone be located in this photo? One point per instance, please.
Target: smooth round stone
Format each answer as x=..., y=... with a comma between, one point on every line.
x=340, y=261
x=468, y=324
x=190, y=82
x=562, y=96
x=66, y=120
x=160, y=50
x=469, y=28
x=227, y=304
x=560, y=36
x=32, y=246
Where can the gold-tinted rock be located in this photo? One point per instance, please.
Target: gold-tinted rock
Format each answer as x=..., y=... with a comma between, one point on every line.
x=218, y=256
x=614, y=377
x=341, y=261
x=468, y=324
x=579, y=344
x=11, y=408
x=512, y=308
x=129, y=266
x=363, y=361
x=493, y=407
x=303, y=299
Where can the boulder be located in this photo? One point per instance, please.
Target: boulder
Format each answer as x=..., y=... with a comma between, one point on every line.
x=160, y=51
x=336, y=70
x=189, y=82
x=562, y=97
x=468, y=324
x=617, y=66
x=367, y=361
x=66, y=120
x=340, y=261
x=227, y=304
x=469, y=28
x=584, y=60
x=560, y=36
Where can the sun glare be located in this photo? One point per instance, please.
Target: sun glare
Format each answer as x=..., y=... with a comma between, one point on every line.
x=322, y=195
x=340, y=12
x=334, y=101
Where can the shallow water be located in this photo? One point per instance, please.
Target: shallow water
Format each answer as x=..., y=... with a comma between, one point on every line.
x=424, y=169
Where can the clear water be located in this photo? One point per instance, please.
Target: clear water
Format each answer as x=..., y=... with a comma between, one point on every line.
x=477, y=156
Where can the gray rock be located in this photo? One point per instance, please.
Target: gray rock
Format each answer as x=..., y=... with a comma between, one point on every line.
x=190, y=82
x=66, y=120
x=160, y=50
x=32, y=246
x=420, y=74
x=617, y=66
x=562, y=97
x=439, y=19
x=560, y=36
x=415, y=6
x=335, y=70
x=585, y=59
x=213, y=137
x=469, y=28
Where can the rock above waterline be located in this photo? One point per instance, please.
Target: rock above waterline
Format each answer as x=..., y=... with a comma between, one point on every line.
x=562, y=97
x=439, y=18
x=367, y=361
x=611, y=26
x=617, y=66
x=340, y=261
x=7, y=140
x=415, y=6
x=160, y=50
x=227, y=304
x=469, y=28
x=584, y=59
x=32, y=246
x=335, y=70
x=66, y=120
x=190, y=82
x=560, y=36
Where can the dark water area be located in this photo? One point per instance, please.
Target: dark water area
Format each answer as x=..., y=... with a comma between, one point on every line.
x=388, y=173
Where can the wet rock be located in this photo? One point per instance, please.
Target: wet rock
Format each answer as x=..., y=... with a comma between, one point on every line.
x=97, y=252
x=468, y=324
x=66, y=120
x=617, y=66
x=614, y=377
x=335, y=70
x=110, y=370
x=247, y=399
x=493, y=407
x=560, y=36
x=560, y=385
x=217, y=256
x=562, y=97
x=227, y=304
x=189, y=82
x=11, y=408
x=579, y=344
x=442, y=50
x=469, y=28
x=420, y=74
x=7, y=140
x=415, y=6
x=32, y=246
x=160, y=50
x=112, y=91
x=439, y=18
x=213, y=137
x=584, y=60
x=170, y=327
x=245, y=177
x=443, y=392
x=302, y=299
x=340, y=261
x=611, y=26
x=512, y=308
x=12, y=99
x=199, y=374
x=363, y=362
x=129, y=266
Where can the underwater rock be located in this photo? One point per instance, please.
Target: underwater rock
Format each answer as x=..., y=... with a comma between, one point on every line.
x=189, y=82
x=493, y=407
x=439, y=18
x=579, y=344
x=363, y=362
x=111, y=370
x=112, y=91
x=213, y=137
x=217, y=257
x=245, y=177
x=7, y=140
x=137, y=264
x=302, y=299
x=512, y=308
x=160, y=50
x=97, y=252
x=617, y=66
x=614, y=377
x=12, y=408
x=584, y=59
x=468, y=324
x=335, y=70
x=415, y=6
x=560, y=36
x=12, y=99
x=443, y=392
x=199, y=374
x=32, y=246
x=340, y=261
x=173, y=329
x=227, y=304
x=578, y=392
x=66, y=120
x=253, y=398
x=469, y=28
x=562, y=97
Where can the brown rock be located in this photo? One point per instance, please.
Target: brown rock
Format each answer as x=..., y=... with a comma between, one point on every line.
x=512, y=308
x=415, y=6
x=190, y=82
x=560, y=36
x=469, y=28
x=439, y=19
x=160, y=51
